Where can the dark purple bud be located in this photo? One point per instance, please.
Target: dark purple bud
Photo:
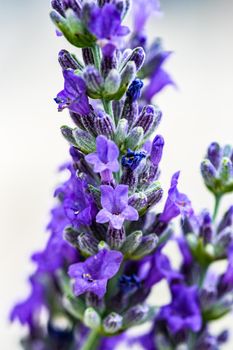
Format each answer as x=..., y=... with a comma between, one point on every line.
x=71, y=236
x=134, y=90
x=88, y=244
x=138, y=57
x=88, y=123
x=154, y=194
x=132, y=159
x=74, y=5
x=88, y=57
x=117, y=107
x=157, y=150
x=130, y=111
x=115, y=237
x=149, y=119
x=109, y=60
x=206, y=229
x=93, y=300
x=208, y=172
x=103, y=124
x=67, y=61
x=98, y=230
x=93, y=79
x=76, y=154
x=77, y=119
x=138, y=201
x=130, y=178
x=227, y=220
x=57, y=5
x=214, y=154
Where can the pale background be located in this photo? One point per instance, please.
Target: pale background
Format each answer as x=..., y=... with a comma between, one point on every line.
x=199, y=32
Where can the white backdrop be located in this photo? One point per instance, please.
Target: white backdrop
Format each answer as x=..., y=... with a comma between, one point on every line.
x=31, y=148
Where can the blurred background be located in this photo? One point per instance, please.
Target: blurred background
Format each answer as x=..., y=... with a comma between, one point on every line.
x=31, y=147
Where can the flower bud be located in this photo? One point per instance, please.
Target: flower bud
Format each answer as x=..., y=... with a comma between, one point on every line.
x=154, y=194
x=67, y=132
x=135, y=315
x=134, y=90
x=131, y=243
x=88, y=57
x=147, y=245
x=103, y=124
x=208, y=172
x=129, y=178
x=127, y=75
x=223, y=242
x=93, y=301
x=91, y=318
x=109, y=60
x=88, y=244
x=112, y=323
x=84, y=141
x=226, y=170
x=117, y=107
x=67, y=61
x=132, y=159
x=123, y=7
x=149, y=119
x=130, y=110
x=57, y=5
x=134, y=138
x=214, y=154
x=138, y=57
x=121, y=131
x=71, y=236
x=157, y=150
x=227, y=220
x=88, y=123
x=96, y=194
x=77, y=119
x=115, y=237
x=94, y=81
x=112, y=82
x=138, y=201
x=206, y=229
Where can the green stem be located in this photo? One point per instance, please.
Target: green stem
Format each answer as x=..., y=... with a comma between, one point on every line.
x=216, y=207
x=108, y=107
x=92, y=341
x=97, y=56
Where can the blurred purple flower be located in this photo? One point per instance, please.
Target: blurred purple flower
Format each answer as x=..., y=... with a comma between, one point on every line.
x=177, y=203
x=105, y=22
x=93, y=274
x=115, y=206
x=142, y=10
x=184, y=311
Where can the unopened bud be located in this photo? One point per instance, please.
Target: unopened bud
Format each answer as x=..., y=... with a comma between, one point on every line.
x=84, y=141
x=115, y=237
x=127, y=75
x=130, y=110
x=109, y=60
x=157, y=150
x=134, y=90
x=112, y=323
x=103, y=124
x=226, y=170
x=135, y=137
x=149, y=119
x=112, y=82
x=67, y=61
x=94, y=80
x=77, y=119
x=88, y=57
x=138, y=201
x=88, y=244
x=214, y=154
x=136, y=315
x=71, y=236
x=57, y=5
x=208, y=172
x=147, y=245
x=131, y=243
x=138, y=57
x=67, y=132
x=91, y=318
x=121, y=131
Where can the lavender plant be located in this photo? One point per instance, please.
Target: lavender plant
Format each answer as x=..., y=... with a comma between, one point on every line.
x=106, y=238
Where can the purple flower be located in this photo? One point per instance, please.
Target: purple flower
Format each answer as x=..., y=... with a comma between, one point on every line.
x=93, y=274
x=78, y=205
x=177, y=203
x=184, y=312
x=158, y=81
x=225, y=283
x=115, y=206
x=104, y=159
x=156, y=267
x=105, y=22
x=26, y=311
x=74, y=94
x=142, y=10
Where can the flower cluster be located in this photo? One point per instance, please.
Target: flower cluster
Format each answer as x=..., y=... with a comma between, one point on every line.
x=105, y=251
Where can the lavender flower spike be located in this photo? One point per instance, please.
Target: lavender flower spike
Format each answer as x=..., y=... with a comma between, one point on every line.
x=104, y=159
x=177, y=203
x=115, y=206
x=93, y=274
x=74, y=95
